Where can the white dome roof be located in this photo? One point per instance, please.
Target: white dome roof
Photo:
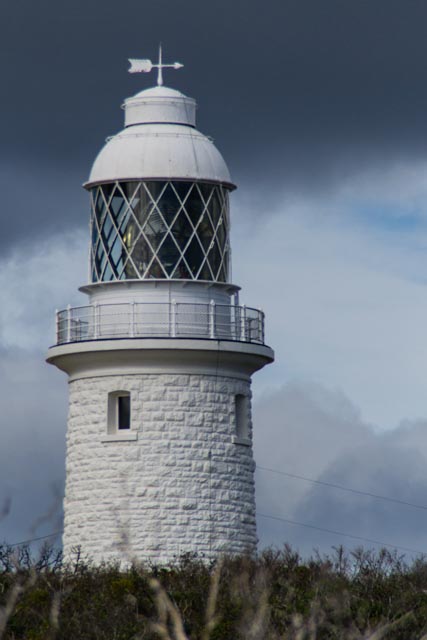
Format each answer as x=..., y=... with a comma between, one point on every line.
x=159, y=141
x=159, y=151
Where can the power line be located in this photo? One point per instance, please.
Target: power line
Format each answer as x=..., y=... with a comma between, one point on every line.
x=303, y=524
x=50, y=535
x=342, y=488
x=340, y=533
x=279, y=519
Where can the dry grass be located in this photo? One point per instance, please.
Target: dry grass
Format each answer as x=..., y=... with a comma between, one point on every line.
x=278, y=596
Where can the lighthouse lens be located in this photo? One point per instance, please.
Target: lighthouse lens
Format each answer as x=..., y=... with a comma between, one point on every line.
x=160, y=230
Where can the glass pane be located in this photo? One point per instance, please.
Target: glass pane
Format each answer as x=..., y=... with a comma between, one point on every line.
x=169, y=255
x=123, y=224
x=168, y=204
x=100, y=259
x=107, y=190
x=221, y=233
x=141, y=255
x=194, y=256
x=205, y=190
x=221, y=276
x=214, y=208
x=182, y=189
x=117, y=204
x=128, y=272
x=155, y=270
x=94, y=233
x=194, y=205
x=181, y=271
x=107, y=228
x=205, y=232
x=117, y=255
x=142, y=203
x=129, y=189
x=99, y=207
x=205, y=273
x=182, y=230
x=108, y=274
x=155, y=229
x=123, y=406
x=155, y=188
x=214, y=258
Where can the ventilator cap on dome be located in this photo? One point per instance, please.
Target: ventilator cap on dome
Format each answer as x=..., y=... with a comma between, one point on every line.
x=160, y=104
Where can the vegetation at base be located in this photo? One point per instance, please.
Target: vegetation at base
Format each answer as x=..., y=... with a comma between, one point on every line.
x=277, y=595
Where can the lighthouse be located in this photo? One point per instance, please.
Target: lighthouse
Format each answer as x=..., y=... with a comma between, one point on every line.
x=159, y=458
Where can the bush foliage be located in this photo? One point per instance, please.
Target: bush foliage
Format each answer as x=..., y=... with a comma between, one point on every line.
x=278, y=595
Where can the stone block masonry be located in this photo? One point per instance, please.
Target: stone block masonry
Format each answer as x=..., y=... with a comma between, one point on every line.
x=185, y=484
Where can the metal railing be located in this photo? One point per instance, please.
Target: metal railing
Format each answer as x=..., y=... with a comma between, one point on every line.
x=160, y=320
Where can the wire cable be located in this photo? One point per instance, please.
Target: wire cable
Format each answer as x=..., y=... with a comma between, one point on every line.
x=340, y=533
x=279, y=519
x=342, y=488
x=50, y=535
x=304, y=524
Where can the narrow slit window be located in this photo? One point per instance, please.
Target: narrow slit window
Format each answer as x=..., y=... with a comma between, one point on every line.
x=241, y=409
x=119, y=411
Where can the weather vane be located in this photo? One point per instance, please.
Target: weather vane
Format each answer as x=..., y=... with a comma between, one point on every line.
x=145, y=66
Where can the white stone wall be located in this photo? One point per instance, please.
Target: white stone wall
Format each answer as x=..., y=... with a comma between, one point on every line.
x=184, y=485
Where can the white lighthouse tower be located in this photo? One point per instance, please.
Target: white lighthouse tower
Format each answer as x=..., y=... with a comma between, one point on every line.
x=159, y=440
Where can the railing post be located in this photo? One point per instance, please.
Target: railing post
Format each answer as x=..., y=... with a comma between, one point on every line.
x=243, y=323
x=57, y=325
x=68, y=323
x=95, y=321
x=132, y=319
x=212, y=319
x=173, y=319
x=261, y=326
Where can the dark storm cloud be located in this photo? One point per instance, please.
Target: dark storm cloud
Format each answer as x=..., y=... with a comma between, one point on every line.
x=38, y=200
x=313, y=432
x=382, y=467
x=32, y=443
x=296, y=93
x=285, y=87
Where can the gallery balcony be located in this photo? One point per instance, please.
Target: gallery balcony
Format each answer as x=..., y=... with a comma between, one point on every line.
x=208, y=321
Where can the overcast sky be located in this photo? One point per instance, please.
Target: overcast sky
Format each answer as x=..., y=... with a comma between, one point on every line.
x=320, y=110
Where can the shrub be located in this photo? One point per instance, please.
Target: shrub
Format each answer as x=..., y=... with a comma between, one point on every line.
x=277, y=595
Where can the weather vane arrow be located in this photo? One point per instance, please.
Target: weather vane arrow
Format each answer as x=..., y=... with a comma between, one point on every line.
x=145, y=66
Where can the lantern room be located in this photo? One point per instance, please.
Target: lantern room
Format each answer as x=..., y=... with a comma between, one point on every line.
x=159, y=197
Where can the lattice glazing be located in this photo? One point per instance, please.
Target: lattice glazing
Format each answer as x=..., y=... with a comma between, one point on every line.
x=154, y=229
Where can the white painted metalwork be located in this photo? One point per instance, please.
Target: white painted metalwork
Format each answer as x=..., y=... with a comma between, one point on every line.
x=160, y=105
x=159, y=150
x=163, y=320
x=159, y=141
x=145, y=66
x=212, y=319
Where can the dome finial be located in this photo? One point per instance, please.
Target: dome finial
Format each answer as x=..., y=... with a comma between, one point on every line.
x=145, y=66
x=159, y=68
